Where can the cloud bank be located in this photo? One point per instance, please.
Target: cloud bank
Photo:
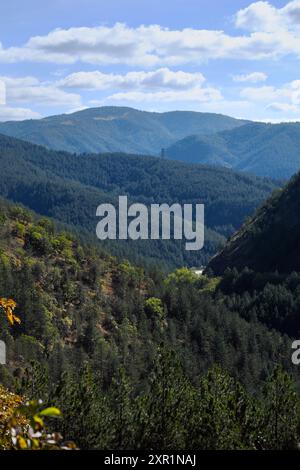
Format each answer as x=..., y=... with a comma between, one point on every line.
x=270, y=33
x=154, y=60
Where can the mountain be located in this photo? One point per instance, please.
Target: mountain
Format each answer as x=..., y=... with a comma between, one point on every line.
x=271, y=150
x=117, y=129
x=70, y=187
x=270, y=240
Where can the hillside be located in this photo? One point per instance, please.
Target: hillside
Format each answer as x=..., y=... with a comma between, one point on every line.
x=270, y=150
x=117, y=129
x=270, y=240
x=69, y=188
x=90, y=342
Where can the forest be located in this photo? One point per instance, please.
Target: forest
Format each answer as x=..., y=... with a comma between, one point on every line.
x=70, y=187
x=139, y=359
x=115, y=128
x=258, y=148
x=150, y=233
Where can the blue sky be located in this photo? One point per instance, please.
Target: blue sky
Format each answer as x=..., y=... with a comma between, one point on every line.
x=235, y=57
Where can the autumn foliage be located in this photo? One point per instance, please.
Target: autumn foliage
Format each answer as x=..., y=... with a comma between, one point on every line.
x=7, y=306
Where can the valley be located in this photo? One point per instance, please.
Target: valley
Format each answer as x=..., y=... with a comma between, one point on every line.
x=125, y=328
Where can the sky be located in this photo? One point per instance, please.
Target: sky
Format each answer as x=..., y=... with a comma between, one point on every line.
x=234, y=57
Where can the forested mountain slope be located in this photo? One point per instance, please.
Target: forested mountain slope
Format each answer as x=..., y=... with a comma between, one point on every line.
x=262, y=149
x=117, y=129
x=70, y=187
x=90, y=342
x=270, y=240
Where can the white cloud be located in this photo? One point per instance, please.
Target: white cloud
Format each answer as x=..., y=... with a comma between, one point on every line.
x=283, y=99
x=284, y=107
x=258, y=16
x=30, y=90
x=289, y=91
x=272, y=33
x=159, y=86
x=43, y=95
x=253, y=77
x=292, y=13
x=163, y=78
x=196, y=95
x=2, y=93
x=268, y=33
x=17, y=114
x=262, y=16
x=265, y=93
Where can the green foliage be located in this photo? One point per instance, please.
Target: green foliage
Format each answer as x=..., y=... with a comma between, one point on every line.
x=174, y=412
x=97, y=339
x=154, y=307
x=33, y=434
x=223, y=419
x=67, y=187
x=106, y=129
x=261, y=149
x=182, y=276
x=280, y=413
x=271, y=298
x=269, y=241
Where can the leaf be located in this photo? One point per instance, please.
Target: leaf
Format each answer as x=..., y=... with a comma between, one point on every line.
x=38, y=420
x=8, y=306
x=22, y=443
x=52, y=412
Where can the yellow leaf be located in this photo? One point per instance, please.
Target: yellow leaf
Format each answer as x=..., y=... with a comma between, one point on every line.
x=22, y=443
x=8, y=306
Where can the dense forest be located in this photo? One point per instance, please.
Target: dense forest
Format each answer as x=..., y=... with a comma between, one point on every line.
x=144, y=353
x=269, y=240
x=266, y=150
x=138, y=360
x=150, y=258
x=70, y=187
x=117, y=129
x=261, y=149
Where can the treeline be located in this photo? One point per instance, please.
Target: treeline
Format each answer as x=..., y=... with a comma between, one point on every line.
x=212, y=412
x=270, y=298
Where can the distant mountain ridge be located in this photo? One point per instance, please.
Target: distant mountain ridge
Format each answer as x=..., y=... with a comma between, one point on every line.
x=271, y=150
x=70, y=187
x=117, y=129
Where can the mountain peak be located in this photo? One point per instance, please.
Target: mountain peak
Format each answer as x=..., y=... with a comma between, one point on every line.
x=117, y=129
